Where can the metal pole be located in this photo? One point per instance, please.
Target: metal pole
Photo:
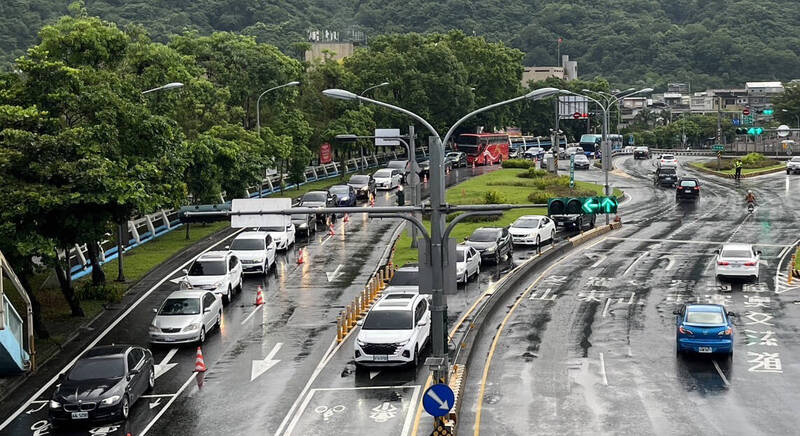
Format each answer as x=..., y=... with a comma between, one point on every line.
x=606, y=155
x=120, y=251
x=414, y=182
x=555, y=136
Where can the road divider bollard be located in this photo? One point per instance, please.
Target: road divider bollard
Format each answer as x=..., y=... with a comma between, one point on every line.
x=340, y=332
x=346, y=217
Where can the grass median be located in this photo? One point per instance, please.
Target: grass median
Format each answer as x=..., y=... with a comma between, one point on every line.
x=501, y=186
x=752, y=163
x=137, y=262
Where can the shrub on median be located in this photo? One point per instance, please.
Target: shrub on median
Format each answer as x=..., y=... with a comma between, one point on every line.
x=533, y=173
x=517, y=163
x=493, y=197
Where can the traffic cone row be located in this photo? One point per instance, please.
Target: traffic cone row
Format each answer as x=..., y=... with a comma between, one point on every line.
x=199, y=364
x=425, y=179
x=371, y=200
x=300, y=257
x=330, y=230
x=259, y=297
x=346, y=217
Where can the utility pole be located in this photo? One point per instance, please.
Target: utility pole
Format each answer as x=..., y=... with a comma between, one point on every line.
x=555, y=135
x=415, y=188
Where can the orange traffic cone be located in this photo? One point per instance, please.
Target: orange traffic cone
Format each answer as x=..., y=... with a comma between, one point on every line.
x=330, y=230
x=300, y=257
x=371, y=200
x=447, y=170
x=425, y=179
x=473, y=164
x=259, y=297
x=199, y=364
x=346, y=217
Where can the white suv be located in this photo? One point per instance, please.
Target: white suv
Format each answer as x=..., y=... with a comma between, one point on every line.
x=793, y=165
x=217, y=271
x=395, y=329
x=256, y=251
x=668, y=161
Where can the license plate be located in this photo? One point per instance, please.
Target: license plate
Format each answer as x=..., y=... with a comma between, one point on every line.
x=80, y=415
x=703, y=349
x=380, y=358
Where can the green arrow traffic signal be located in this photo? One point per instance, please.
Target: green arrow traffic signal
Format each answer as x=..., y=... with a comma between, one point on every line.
x=608, y=204
x=768, y=111
x=755, y=131
x=590, y=205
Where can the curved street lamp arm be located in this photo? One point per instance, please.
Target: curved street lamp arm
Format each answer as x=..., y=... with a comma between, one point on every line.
x=399, y=109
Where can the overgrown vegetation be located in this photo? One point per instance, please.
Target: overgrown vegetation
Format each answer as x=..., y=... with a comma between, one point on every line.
x=517, y=163
x=749, y=161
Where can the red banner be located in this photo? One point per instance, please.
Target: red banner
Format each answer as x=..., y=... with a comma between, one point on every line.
x=325, y=153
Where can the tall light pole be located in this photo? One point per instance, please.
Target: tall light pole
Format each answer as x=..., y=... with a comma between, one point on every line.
x=797, y=116
x=121, y=225
x=438, y=236
x=258, y=103
x=373, y=87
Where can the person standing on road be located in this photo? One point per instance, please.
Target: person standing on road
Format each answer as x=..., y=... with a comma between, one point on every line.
x=738, y=168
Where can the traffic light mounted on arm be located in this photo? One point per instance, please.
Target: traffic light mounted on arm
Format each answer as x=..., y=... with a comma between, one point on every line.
x=581, y=205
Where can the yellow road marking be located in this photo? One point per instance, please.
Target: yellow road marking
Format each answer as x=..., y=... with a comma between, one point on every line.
x=500, y=331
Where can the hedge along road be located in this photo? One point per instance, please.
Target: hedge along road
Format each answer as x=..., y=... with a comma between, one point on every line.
x=299, y=314
x=590, y=345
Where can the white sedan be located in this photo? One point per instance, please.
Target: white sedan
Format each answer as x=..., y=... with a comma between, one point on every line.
x=468, y=263
x=387, y=178
x=532, y=229
x=186, y=316
x=282, y=235
x=737, y=260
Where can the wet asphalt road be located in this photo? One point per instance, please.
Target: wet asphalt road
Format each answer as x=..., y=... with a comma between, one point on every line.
x=587, y=346
x=294, y=331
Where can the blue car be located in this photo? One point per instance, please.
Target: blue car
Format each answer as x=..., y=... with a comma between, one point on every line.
x=345, y=195
x=704, y=329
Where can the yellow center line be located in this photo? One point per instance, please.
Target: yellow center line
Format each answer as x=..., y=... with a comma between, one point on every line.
x=497, y=335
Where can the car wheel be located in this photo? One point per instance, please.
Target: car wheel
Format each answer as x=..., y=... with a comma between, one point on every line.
x=465, y=278
x=227, y=297
x=552, y=236
x=125, y=409
x=266, y=267
x=415, y=362
x=578, y=225
x=219, y=319
x=151, y=380
x=788, y=172
x=538, y=241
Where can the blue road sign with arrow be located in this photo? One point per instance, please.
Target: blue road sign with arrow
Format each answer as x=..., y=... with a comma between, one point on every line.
x=438, y=399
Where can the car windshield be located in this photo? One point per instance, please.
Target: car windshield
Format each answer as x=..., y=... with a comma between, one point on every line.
x=397, y=164
x=340, y=190
x=208, y=268
x=688, y=183
x=796, y=159
x=667, y=157
x=359, y=180
x=315, y=196
x=405, y=278
x=383, y=173
x=483, y=236
x=526, y=223
x=180, y=306
x=461, y=254
x=388, y=320
x=697, y=317
x=581, y=157
x=453, y=155
x=248, y=244
x=97, y=368
x=738, y=253
x=299, y=217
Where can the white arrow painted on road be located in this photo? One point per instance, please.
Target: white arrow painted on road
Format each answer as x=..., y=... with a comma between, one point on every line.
x=335, y=274
x=165, y=366
x=442, y=404
x=261, y=366
x=37, y=409
x=155, y=403
x=670, y=264
x=373, y=374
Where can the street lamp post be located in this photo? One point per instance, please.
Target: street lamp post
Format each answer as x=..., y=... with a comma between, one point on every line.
x=121, y=225
x=438, y=235
x=258, y=103
x=373, y=87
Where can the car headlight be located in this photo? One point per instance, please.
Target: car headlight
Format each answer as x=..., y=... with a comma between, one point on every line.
x=154, y=329
x=364, y=188
x=360, y=343
x=191, y=327
x=302, y=225
x=459, y=269
x=110, y=400
x=259, y=260
x=491, y=249
x=55, y=404
x=346, y=198
x=218, y=284
x=403, y=343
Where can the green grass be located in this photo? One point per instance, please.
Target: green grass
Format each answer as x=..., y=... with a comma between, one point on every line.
x=514, y=189
x=712, y=166
x=797, y=258
x=138, y=262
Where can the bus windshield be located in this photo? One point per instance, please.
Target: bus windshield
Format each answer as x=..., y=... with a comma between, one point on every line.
x=468, y=144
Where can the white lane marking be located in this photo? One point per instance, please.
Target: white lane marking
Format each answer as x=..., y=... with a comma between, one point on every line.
x=157, y=395
x=605, y=309
x=327, y=238
x=721, y=374
x=247, y=318
x=411, y=410
x=603, y=369
x=684, y=241
x=630, y=267
x=164, y=365
x=783, y=256
x=335, y=274
x=109, y=328
x=156, y=403
x=166, y=406
x=600, y=258
x=261, y=366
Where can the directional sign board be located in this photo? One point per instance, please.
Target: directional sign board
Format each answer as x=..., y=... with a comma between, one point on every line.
x=438, y=399
x=718, y=147
x=265, y=205
x=381, y=136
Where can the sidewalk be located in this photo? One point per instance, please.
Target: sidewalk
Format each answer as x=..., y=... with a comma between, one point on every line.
x=14, y=391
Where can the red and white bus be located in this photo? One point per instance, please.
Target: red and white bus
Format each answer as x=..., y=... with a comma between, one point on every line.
x=484, y=148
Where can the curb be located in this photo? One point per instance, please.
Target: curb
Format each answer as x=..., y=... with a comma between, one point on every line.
x=730, y=176
x=493, y=297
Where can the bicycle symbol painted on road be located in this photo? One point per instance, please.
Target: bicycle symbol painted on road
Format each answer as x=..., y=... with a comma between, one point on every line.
x=327, y=413
x=383, y=413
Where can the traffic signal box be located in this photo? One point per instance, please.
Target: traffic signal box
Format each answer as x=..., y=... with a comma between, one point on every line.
x=581, y=205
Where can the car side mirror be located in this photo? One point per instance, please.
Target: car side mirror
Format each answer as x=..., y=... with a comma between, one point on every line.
x=227, y=247
x=206, y=310
x=185, y=271
x=731, y=314
x=676, y=312
x=422, y=323
x=133, y=372
x=155, y=310
x=716, y=251
x=360, y=322
x=62, y=376
x=758, y=252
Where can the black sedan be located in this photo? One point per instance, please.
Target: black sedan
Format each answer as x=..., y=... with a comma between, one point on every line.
x=364, y=184
x=491, y=242
x=425, y=167
x=103, y=385
x=457, y=159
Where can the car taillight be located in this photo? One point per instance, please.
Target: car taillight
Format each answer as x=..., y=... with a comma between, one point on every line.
x=680, y=188
x=685, y=331
x=726, y=332
x=723, y=263
x=696, y=188
x=749, y=264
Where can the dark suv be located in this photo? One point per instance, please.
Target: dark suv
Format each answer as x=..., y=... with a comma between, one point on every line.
x=688, y=188
x=491, y=242
x=319, y=199
x=666, y=177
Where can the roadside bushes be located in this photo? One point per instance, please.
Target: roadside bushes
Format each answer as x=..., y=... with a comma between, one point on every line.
x=750, y=161
x=533, y=173
x=493, y=197
x=517, y=163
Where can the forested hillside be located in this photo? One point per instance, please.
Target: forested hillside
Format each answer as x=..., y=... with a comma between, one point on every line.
x=705, y=42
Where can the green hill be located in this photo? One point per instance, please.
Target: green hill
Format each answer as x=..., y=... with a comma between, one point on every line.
x=630, y=42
